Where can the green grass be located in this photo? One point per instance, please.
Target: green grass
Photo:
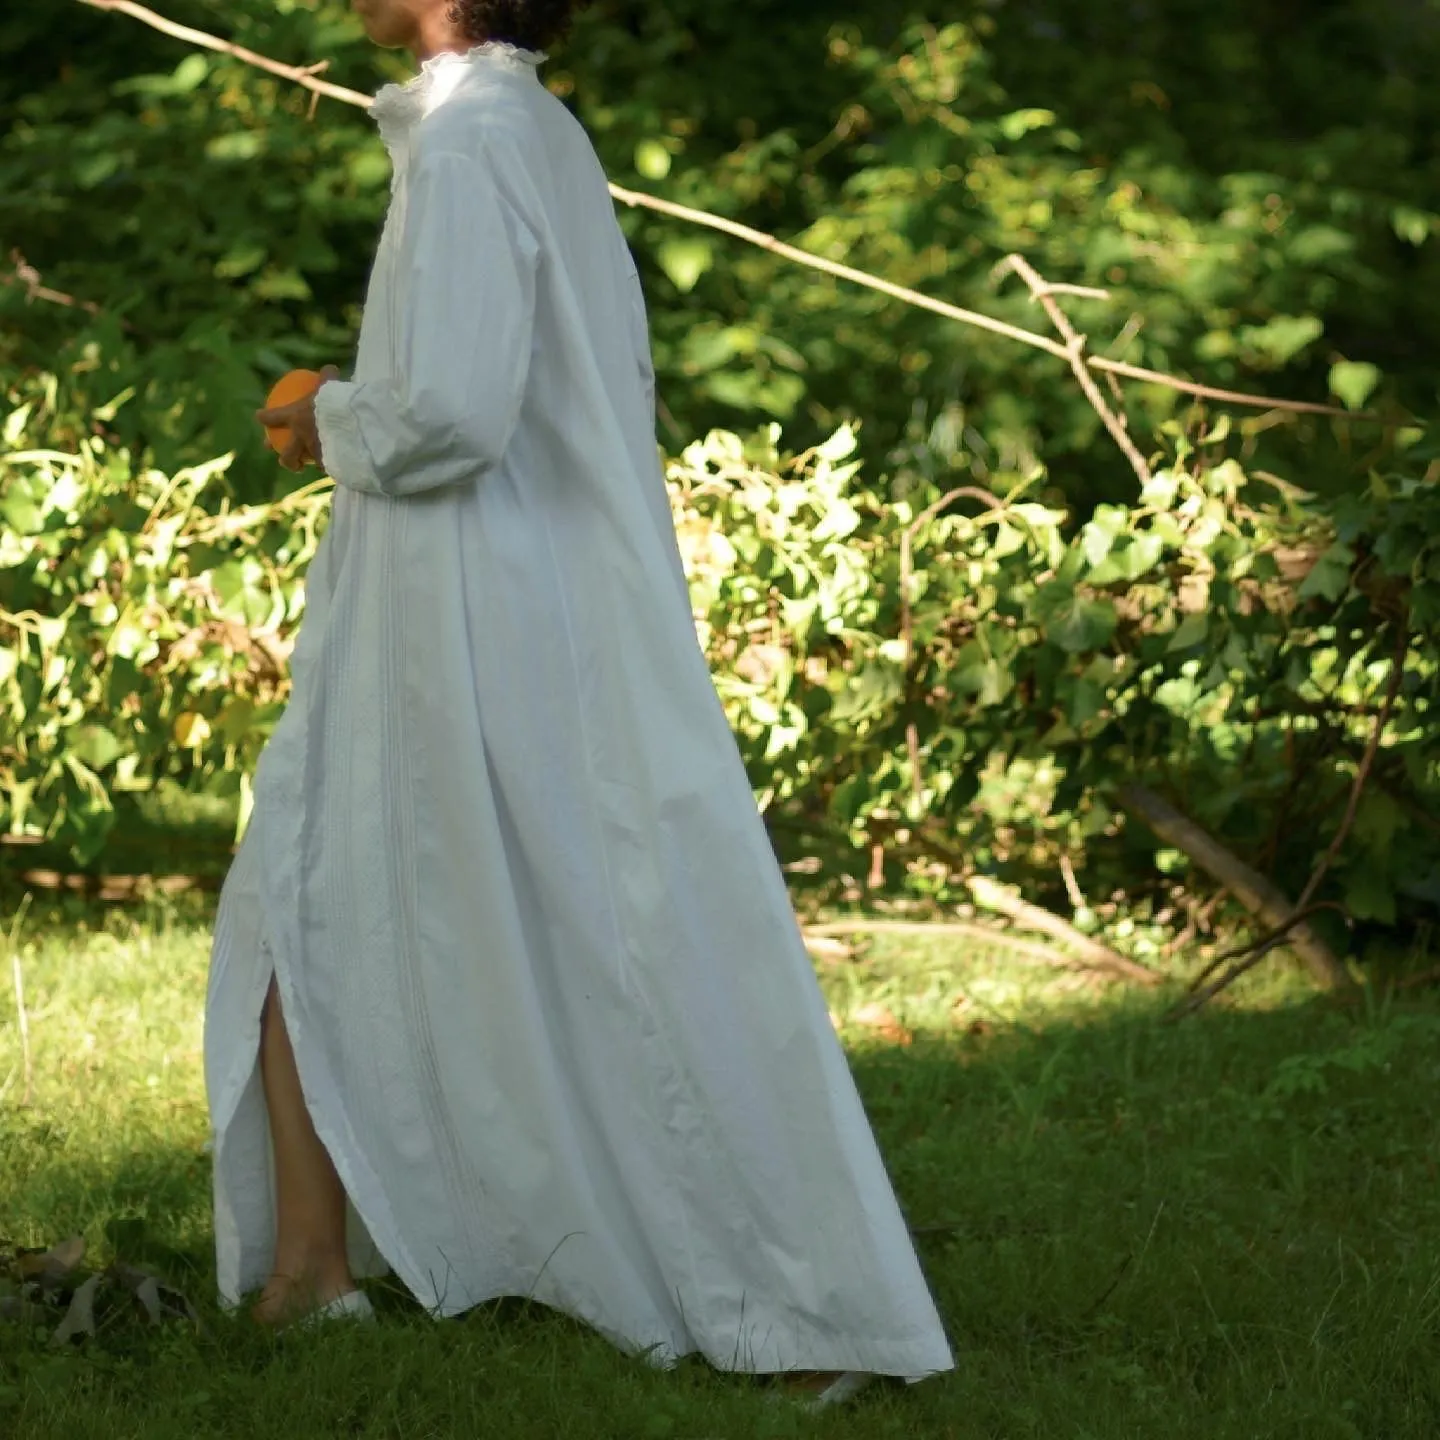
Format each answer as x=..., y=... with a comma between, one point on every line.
x=1227, y=1228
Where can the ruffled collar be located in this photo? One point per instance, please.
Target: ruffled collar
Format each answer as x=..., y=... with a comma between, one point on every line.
x=396, y=108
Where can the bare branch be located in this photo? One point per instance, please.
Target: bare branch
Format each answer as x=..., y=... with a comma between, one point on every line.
x=997, y=897
x=1025, y=949
x=1254, y=891
x=301, y=74
x=1075, y=352
x=305, y=75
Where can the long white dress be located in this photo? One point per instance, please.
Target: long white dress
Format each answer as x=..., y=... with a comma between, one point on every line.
x=552, y=1014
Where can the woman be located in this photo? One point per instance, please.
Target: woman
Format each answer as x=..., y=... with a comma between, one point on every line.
x=506, y=992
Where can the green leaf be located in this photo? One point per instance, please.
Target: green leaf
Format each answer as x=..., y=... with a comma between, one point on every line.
x=1021, y=122
x=1413, y=226
x=1160, y=490
x=190, y=73
x=1095, y=543
x=1330, y=577
x=1354, y=381
x=1075, y=623
x=1142, y=555
x=1284, y=337
x=238, y=145
x=982, y=675
x=22, y=514
x=240, y=259
x=1370, y=892
x=840, y=446
x=95, y=745
x=652, y=160
x=840, y=519
x=1005, y=541
x=685, y=261
x=1087, y=700
x=1377, y=820
x=1191, y=631
x=874, y=689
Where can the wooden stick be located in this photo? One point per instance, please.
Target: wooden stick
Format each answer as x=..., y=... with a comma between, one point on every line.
x=1304, y=905
x=994, y=896
x=961, y=929
x=304, y=75
x=1253, y=890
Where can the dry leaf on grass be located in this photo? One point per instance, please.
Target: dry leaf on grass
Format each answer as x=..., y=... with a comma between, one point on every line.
x=39, y=1285
x=881, y=1020
x=159, y=1301
x=80, y=1317
x=829, y=951
x=50, y=1268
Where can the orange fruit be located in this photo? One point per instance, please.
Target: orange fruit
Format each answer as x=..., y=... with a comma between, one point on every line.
x=290, y=387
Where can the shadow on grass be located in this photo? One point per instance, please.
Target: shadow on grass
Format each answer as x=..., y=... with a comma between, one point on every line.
x=1226, y=1227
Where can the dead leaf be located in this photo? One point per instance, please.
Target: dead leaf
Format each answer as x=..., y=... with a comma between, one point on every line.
x=159, y=1301
x=828, y=950
x=882, y=1021
x=67, y=1254
x=50, y=1267
x=80, y=1317
x=147, y=1292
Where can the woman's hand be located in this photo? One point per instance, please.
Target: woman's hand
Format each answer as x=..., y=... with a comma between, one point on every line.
x=299, y=419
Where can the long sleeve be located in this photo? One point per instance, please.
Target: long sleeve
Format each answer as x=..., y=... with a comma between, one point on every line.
x=463, y=306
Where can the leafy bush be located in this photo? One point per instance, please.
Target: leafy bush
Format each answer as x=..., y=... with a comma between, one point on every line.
x=964, y=679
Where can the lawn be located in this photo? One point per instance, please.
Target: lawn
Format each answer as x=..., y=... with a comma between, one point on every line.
x=1224, y=1228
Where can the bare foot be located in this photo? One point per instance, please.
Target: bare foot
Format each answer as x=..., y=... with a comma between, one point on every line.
x=809, y=1382
x=287, y=1298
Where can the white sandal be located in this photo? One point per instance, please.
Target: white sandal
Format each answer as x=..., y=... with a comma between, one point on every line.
x=352, y=1305
x=842, y=1390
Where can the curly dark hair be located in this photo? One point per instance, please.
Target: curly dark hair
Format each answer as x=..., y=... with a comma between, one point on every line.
x=531, y=24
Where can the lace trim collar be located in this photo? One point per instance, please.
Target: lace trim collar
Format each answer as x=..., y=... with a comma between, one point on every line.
x=396, y=108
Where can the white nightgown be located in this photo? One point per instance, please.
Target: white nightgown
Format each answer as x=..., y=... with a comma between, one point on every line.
x=553, y=1016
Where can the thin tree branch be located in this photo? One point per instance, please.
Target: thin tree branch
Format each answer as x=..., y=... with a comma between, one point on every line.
x=305, y=75
x=1028, y=949
x=301, y=74
x=994, y=896
x=1254, y=891
x=23, y=273
x=1075, y=344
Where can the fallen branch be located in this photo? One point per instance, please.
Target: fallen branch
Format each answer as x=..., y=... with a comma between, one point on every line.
x=962, y=929
x=305, y=76
x=1262, y=947
x=1259, y=895
x=991, y=895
